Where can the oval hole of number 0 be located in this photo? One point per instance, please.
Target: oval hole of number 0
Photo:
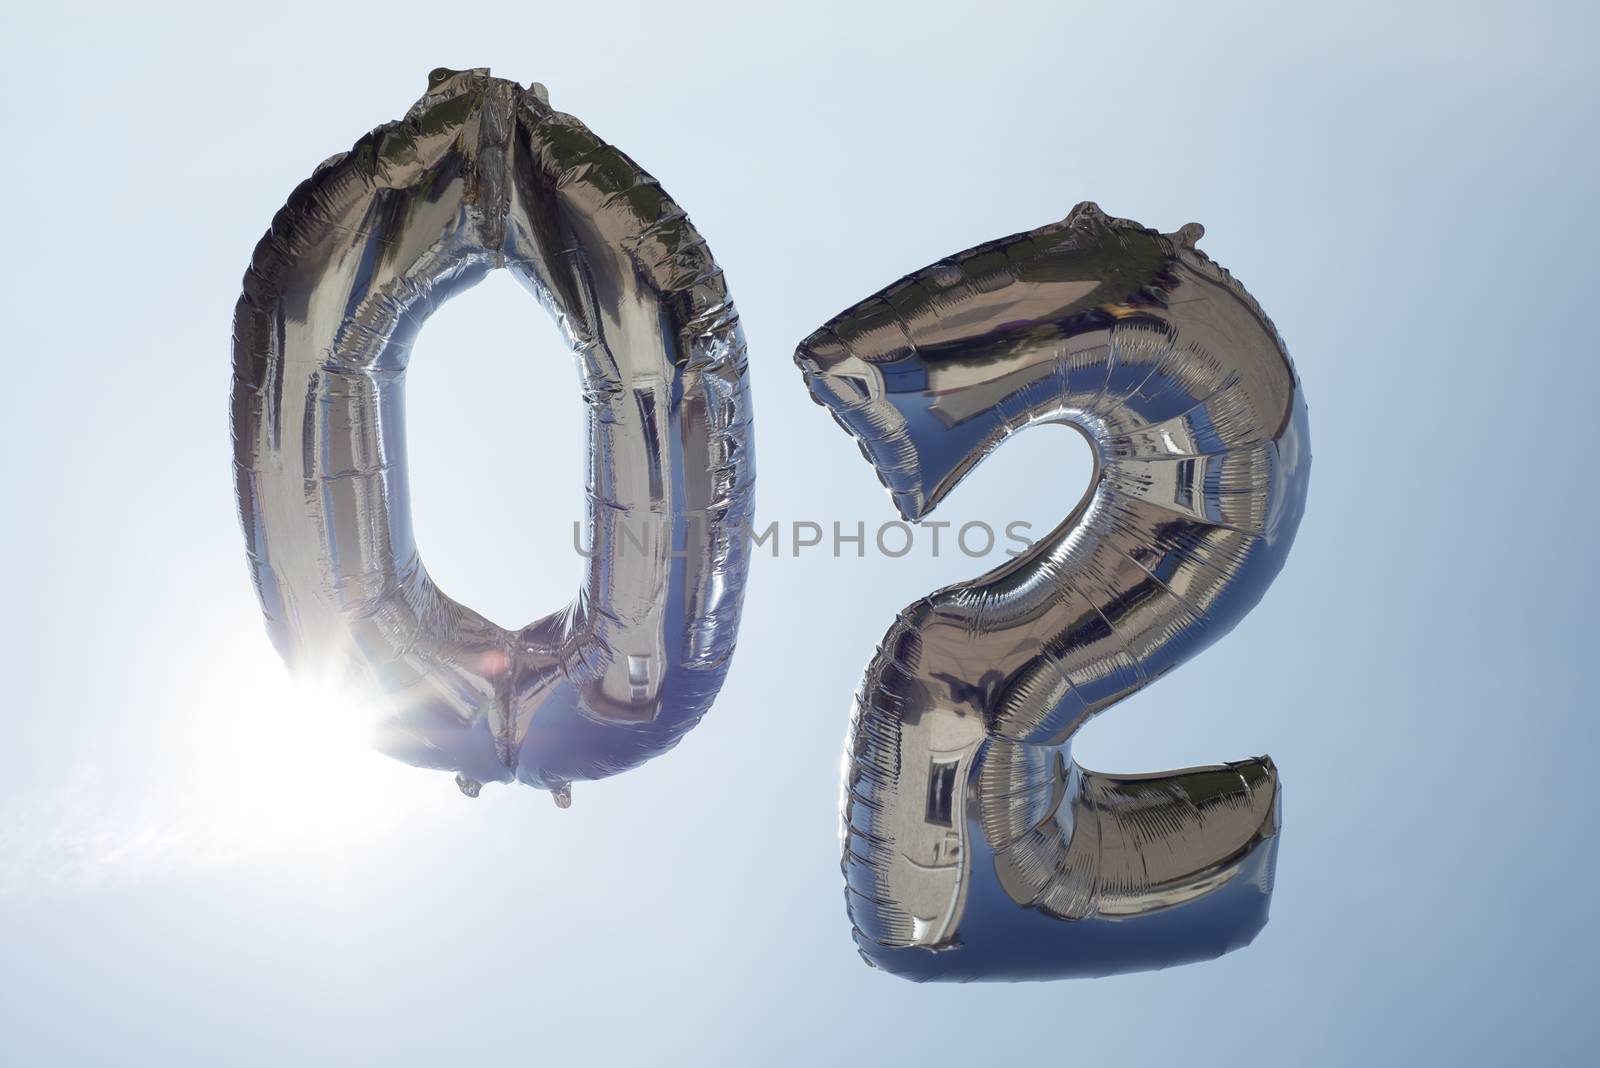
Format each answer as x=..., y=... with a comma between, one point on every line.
x=482, y=174
x=974, y=846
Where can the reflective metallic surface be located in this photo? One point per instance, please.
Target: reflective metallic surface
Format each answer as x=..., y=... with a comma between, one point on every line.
x=483, y=174
x=974, y=846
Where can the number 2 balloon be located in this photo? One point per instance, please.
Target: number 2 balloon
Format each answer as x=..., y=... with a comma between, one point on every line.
x=974, y=846
x=483, y=174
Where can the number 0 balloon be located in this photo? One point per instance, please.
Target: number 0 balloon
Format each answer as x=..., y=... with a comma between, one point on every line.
x=974, y=846
x=483, y=174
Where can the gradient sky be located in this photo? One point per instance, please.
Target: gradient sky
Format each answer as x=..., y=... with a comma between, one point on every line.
x=197, y=868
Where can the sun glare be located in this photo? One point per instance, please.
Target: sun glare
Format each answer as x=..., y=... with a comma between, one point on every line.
x=287, y=765
x=244, y=766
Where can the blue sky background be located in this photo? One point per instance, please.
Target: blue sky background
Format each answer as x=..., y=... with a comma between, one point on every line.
x=197, y=868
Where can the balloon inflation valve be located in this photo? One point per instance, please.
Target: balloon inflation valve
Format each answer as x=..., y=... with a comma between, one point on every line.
x=470, y=787
x=562, y=795
x=1085, y=211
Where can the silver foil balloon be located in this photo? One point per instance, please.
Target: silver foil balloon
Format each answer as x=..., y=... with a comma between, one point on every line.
x=974, y=846
x=483, y=174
